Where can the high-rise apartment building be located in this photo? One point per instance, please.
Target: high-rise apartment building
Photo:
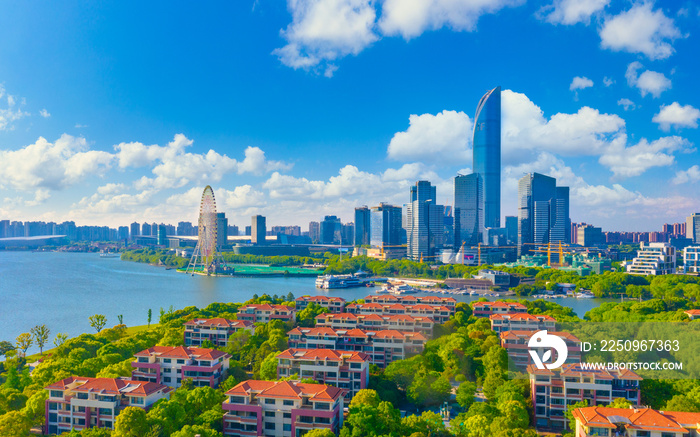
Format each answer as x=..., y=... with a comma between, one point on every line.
x=385, y=225
x=134, y=230
x=315, y=232
x=589, y=235
x=469, y=213
x=258, y=230
x=692, y=227
x=146, y=229
x=331, y=230
x=653, y=259
x=362, y=226
x=543, y=212
x=511, y=230
x=424, y=221
x=347, y=233
x=487, y=155
x=221, y=229
x=162, y=235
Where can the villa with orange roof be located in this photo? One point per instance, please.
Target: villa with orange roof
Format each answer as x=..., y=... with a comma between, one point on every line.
x=383, y=346
x=400, y=322
x=281, y=408
x=693, y=314
x=332, y=304
x=439, y=313
x=388, y=299
x=170, y=365
x=263, y=313
x=515, y=344
x=216, y=330
x=348, y=370
x=553, y=390
x=80, y=402
x=485, y=309
x=633, y=422
x=521, y=322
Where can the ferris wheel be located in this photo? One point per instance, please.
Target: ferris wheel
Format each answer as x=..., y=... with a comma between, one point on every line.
x=206, y=258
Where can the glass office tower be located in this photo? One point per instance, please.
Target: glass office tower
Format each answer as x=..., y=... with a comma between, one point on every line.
x=469, y=217
x=487, y=155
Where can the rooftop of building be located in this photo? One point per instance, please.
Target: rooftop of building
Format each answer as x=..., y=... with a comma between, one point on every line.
x=109, y=386
x=182, y=352
x=324, y=354
x=286, y=390
x=643, y=419
x=220, y=323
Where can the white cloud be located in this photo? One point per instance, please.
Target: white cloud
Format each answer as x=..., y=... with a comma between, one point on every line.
x=690, y=175
x=580, y=83
x=649, y=82
x=444, y=137
x=573, y=11
x=410, y=18
x=607, y=81
x=677, y=116
x=626, y=104
x=51, y=165
x=9, y=115
x=40, y=196
x=325, y=30
x=640, y=30
x=80, y=126
x=635, y=160
x=44, y=113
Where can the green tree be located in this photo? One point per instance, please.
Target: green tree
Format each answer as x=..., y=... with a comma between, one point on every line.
x=320, y=432
x=570, y=412
x=365, y=397
x=131, y=422
x=169, y=415
x=120, y=317
x=60, y=339
x=465, y=394
x=307, y=316
x=478, y=426
x=15, y=424
x=150, y=314
x=98, y=321
x=268, y=368
x=623, y=403
x=24, y=341
x=5, y=347
x=194, y=430
x=41, y=336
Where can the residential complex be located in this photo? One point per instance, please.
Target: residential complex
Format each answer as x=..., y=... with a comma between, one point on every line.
x=521, y=322
x=553, y=390
x=170, y=365
x=515, y=344
x=383, y=347
x=80, y=402
x=332, y=304
x=263, y=313
x=633, y=422
x=439, y=314
x=399, y=322
x=216, y=330
x=691, y=259
x=348, y=370
x=653, y=259
x=692, y=227
x=485, y=309
x=384, y=299
x=281, y=408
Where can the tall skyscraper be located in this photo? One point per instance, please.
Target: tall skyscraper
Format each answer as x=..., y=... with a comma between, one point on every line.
x=146, y=229
x=162, y=237
x=487, y=155
x=385, y=225
x=424, y=221
x=331, y=230
x=469, y=215
x=692, y=227
x=543, y=212
x=258, y=230
x=362, y=225
x=315, y=232
x=221, y=229
x=135, y=230
x=511, y=230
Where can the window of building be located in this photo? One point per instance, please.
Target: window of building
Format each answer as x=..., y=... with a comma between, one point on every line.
x=642, y=433
x=105, y=411
x=137, y=400
x=181, y=361
x=287, y=415
x=237, y=399
x=167, y=360
x=269, y=401
x=270, y=425
x=56, y=394
x=166, y=379
x=287, y=427
x=322, y=406
x=269, y=414
x=167, y=370
x=287, y=402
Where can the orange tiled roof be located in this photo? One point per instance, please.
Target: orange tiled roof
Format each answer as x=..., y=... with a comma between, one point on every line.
x=219, y=322
x=108, y=386
x=499, y=304
x=522, y=316
x=519, y=334
x=266, y=307
x=325, y=354
x=182, y=352
x=693, y=312
x=643, y=419
x=287, y=390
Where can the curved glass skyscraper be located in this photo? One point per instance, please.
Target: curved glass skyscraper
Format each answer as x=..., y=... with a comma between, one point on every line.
x=487, y=155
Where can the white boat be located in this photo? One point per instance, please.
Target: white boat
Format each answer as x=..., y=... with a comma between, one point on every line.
x=337, y=281
x=109, y=255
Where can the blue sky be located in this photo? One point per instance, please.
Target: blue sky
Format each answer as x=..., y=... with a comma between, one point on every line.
x=111, y=113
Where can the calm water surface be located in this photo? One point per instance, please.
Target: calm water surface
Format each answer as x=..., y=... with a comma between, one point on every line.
x=61, y=290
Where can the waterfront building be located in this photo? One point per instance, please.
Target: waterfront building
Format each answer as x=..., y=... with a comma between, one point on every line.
x=347, y=234
x=221, y=230
x=347, y=370
x=439, y=314
x=543, y=212
x=653, y=259
x=146, y=229
x=216, y=330
x=362, y=226
x=385, y=226
x=170, y=365
x=331, y=230
x=162, y=236
x=691, y=259
x=487, y=155
x=80, y=402
x=497, y=277
x=692, y=227
x=315, y=232
x=332, y=304
x=281, y=408
x=185, y=229
x=515, y=343
x=258, y=230
x=469, y=212
x=521, y=322
x=635, y=421
x=388, y=299
x=553, y=390
x=263, y=313
x=486, y=309
x=382, y=346
x=400, y=322
x=424, y=221
x=123, y=233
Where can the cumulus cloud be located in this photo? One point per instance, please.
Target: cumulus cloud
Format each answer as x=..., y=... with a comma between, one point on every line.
x=572, y=11
x=44, y=113
x=40, y=196
x=580, y=83
x=53, y=166
x=323, y=31
x=627, y=104
x=411, y=18
x=685, y=176
x=635, y=160
x=607, y=81
x=11, y=113
x=640, y=30
x=444, y=137
x=648, y=82
x=677, y=116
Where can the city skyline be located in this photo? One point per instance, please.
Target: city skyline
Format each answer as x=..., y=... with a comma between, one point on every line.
x=117, y=133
